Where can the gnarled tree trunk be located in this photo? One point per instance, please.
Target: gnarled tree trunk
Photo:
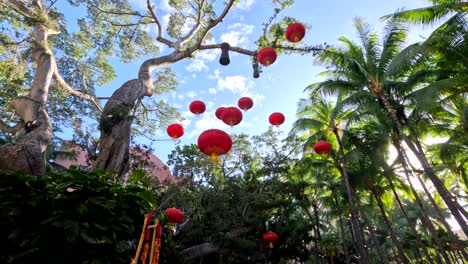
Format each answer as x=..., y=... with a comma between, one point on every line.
x=27, y=154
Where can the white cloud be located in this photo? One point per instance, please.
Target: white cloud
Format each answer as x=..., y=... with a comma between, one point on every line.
x=237, y=84
x=212, y=91
x=238, y=34
x=186, y=122
x=245, y=4
x=191, y=94
x=196, y=65
x=180, y=96
x=209, y=55
x=215, y=75
x=206, y=121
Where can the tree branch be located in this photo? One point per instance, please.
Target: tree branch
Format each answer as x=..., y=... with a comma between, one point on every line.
x=20, y=8
x=65, y=86
x=200, y=250
x=213, y=24
x=196, y=27
x=235, y=49
x=160, y=38
x=11, y=129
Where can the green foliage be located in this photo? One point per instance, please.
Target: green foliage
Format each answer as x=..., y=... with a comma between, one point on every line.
x=71, y=216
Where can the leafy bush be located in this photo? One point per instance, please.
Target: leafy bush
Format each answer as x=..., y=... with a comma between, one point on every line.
x=70, y=217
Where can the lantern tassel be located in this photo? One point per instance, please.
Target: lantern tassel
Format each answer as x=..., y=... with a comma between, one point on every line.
x=214, y=158
x=271, y=245
x=324, y=155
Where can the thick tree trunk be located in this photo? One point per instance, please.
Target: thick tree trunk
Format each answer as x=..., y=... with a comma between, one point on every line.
x=27, y=154
x=453, y=206
x=394, y=237
x=354, y=214
x=115, y=126
x=116, y=119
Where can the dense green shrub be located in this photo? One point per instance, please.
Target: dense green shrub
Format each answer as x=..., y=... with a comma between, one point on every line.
x=70, y=217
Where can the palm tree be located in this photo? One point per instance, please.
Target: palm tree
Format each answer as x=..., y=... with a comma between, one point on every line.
x=362, y=70
x=324, y=119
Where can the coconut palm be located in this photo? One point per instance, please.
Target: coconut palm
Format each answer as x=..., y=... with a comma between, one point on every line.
x=324, y=119
x=358, y=71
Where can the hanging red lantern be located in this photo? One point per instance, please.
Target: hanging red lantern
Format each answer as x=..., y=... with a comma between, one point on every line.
x=295, y=32
x=276, y=119
x=323, y=148
x=266, y=56
x=270, y=238
x=231, y=116
x=175, y=131
x=214, y=142
x=174, y=215
x=219, y=112
x=245, y=103
x=197, y=107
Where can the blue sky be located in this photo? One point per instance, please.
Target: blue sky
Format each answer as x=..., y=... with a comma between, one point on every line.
x=280, y=85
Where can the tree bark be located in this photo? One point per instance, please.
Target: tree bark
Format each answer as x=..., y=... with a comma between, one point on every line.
x=394, y=237
x=425, y=217
x=28, y=153
x=412, y=224
x=453, y=206
x=382, y=255
x=354, y=214
x=441, y=217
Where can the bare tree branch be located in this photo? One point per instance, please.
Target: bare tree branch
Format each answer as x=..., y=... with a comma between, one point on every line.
x=160, y=37
x=213, y=24
x=112, y=12
x=235, y=49
x=20, y=8
x=200, y=250
x=196, y=27
x=11, y=129
x=65, y=86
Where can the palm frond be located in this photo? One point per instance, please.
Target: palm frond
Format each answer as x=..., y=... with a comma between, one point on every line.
x=394, y=37
x=429, y=15
x=370, y=42
x=405, y=60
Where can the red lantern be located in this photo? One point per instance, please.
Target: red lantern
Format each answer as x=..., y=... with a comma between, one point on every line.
x=276, y=119
x=270, y=238
x=266, y=56
x=323, y=148
x=295, y=32
x=197, y=107
x=245, y=103
x=175, y=131
x=231, y=116
x=214, y=142
x=219, y=112
x=174, y=215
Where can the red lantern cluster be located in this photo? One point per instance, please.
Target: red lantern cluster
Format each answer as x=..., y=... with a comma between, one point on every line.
x=214, y=142
x=174, y=215
x=270, y=238
x=276, y=119
x=219, y=112
x=231, y=116
x=295, y=32
x=323, y=148
x=197, y=107
x=266, y=56
x=245, y=103
x=175, y=131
